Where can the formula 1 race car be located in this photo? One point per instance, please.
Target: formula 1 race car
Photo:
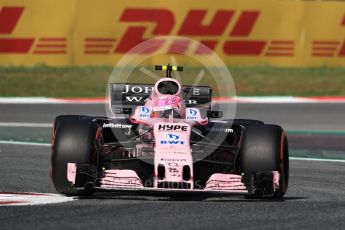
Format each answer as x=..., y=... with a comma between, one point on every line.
x=166, y=139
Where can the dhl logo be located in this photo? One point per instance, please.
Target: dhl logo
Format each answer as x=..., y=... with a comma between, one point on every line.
x=238, y=40
x=329, y=48
x=9, y=18
x=192, y=26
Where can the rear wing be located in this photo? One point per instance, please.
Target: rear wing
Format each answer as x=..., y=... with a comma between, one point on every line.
x=125, y=97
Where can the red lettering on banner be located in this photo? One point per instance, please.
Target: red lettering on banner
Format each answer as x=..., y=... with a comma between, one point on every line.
x=244, y=47
x=192, y=24
x=98, y=45
x=245, y=23
x=342, y=50
x=134, y=35
x=50, y=46
x=14, y=45
x=327, y=48
x=206, y=47
x=280, y=48
x=9, y=16
x=179, y=47
x=243, y=28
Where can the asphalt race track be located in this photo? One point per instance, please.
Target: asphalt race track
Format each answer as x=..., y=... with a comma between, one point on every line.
x=315, y=199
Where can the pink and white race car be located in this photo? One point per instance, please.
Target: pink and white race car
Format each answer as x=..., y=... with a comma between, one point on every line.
x=165, y=139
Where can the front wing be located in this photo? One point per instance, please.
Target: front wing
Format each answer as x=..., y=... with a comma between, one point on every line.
x=219, y=184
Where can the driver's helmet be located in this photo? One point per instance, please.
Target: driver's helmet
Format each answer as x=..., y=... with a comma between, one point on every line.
x=166, y=99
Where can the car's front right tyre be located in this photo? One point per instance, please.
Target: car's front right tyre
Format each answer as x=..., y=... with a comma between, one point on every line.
x=265, y=149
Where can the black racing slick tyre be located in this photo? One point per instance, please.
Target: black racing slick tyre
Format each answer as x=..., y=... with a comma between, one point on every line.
x=73, y=141
x=265, y=149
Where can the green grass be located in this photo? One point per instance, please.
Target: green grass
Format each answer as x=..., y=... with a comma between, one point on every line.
x=54, y=81
x=91, y=81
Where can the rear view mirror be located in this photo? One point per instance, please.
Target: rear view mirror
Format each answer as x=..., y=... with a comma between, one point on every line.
x=214, y=114
x=123, y=110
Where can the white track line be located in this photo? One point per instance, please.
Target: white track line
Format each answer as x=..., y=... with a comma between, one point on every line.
x=316, y=159
x=25, y=124
x=24, y=199
x=25, y=143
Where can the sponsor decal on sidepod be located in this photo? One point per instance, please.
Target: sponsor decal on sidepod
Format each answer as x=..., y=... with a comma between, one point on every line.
x=118, y=126
x=172, y=139
x=144, y=112
x=191, y=114
x=177, y=128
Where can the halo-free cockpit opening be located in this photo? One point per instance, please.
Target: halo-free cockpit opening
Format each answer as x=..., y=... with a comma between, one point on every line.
x=168, y=87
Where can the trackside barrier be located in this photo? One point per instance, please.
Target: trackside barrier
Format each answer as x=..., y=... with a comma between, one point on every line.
x=241, y=32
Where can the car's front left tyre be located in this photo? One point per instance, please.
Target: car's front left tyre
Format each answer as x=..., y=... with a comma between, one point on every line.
x=73, y=141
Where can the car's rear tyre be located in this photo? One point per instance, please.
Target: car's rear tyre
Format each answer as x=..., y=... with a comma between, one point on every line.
x=264, y=149
x=73, y=141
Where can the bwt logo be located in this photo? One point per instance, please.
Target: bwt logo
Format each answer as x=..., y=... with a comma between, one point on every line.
x=172, y=142
x=172, y=136
x=172, y=139
x=191, y=114
x=144, y=112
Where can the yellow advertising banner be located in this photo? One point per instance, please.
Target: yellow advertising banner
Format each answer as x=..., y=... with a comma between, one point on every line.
x=36, y=32
x=240, y=32
x=323, y=36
